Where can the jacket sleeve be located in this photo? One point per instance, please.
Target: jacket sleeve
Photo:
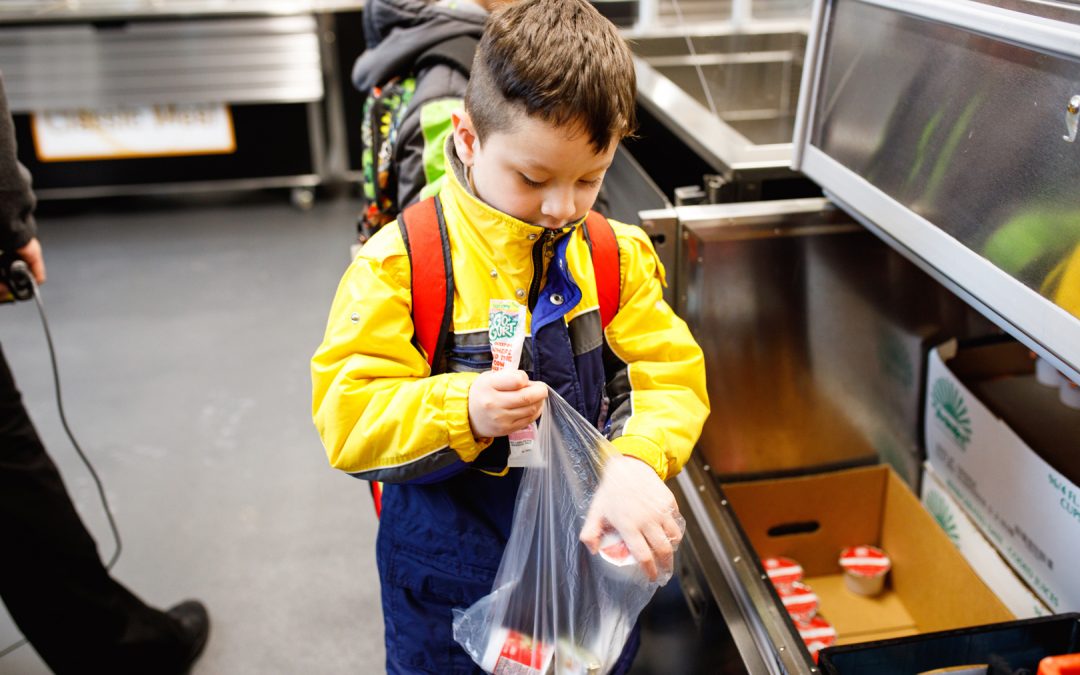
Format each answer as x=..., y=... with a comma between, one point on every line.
x=17, y=226
x=379, y=414
x=656, y=369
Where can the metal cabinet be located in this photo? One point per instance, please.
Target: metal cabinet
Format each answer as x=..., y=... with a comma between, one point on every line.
x=268, y=70
x=949, y=128
x=943, y=134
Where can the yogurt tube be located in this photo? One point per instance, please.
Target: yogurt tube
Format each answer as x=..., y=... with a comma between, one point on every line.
x=865, y=568
x=782, y=571
x=816, y=634
x=506, y=332
x=800, y=601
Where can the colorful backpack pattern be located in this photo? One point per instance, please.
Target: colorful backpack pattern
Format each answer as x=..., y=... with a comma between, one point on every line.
x=384, y=110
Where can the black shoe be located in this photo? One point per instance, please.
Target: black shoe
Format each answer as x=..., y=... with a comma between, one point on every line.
x=194, y=624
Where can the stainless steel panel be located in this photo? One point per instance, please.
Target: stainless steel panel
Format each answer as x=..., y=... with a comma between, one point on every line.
x=1066, y=10
x=730, y=95
x=250, y=60
x=815, y=335
x=943, y=126
x=713, y=539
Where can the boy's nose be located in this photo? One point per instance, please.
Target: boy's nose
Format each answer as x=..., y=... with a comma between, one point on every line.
x=558, y=207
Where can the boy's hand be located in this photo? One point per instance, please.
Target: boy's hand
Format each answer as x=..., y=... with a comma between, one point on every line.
x=634, y=501
x=504, y=401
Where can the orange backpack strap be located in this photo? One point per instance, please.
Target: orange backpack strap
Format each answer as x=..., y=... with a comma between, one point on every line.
x=424, y=231
x=605, y=260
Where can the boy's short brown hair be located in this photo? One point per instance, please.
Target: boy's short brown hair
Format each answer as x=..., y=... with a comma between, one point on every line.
x=561, y=61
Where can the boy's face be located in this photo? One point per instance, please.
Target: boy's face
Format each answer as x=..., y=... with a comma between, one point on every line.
x=534, y=171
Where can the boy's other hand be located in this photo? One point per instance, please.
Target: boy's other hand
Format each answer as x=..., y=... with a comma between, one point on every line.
x=632, y=500
x=504, y=401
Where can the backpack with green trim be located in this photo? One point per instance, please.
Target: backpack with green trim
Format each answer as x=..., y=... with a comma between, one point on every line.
x=385, y=108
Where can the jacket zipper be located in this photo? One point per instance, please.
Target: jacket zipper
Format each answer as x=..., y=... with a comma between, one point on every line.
x=538, y=267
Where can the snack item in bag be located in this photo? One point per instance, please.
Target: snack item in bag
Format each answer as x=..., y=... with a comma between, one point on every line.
x=614, y=550
x=506, y=331
x=511, y=653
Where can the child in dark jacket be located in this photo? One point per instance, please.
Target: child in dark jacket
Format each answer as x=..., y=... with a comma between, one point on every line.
x=398, y=34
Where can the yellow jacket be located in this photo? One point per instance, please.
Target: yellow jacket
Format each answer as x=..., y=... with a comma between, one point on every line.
x=1066, y=277
x=382, y=417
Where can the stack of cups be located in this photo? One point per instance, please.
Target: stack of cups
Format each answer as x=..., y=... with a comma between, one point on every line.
x=801, y=603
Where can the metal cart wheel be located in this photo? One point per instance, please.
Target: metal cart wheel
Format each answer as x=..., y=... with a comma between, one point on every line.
x=302, y=198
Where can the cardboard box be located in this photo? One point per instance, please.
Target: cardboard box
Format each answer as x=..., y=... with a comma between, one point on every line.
x=1020, y=493
x=982, y=557
x=811, y=519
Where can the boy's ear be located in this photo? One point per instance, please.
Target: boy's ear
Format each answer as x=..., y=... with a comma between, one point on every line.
x=465, y=140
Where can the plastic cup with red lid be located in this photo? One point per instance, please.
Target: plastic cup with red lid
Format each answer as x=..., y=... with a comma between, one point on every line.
x=816, y=634
x=865, y=568
x=800, y=601
x=782, y=571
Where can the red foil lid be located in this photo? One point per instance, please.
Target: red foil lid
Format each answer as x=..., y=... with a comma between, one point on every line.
x=782, y=571
x=799, y=599
x=866, y=561
x=816, y=634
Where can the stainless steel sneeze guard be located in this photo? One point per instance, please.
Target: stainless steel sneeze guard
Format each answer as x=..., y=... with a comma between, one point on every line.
x=729, y=94
x=942, y=126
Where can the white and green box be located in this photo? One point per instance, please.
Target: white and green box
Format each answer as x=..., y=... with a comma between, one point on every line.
x=975, y=548
x=1025, y=507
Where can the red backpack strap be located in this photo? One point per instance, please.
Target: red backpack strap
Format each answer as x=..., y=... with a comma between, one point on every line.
x=605, y=260
x=423, y=229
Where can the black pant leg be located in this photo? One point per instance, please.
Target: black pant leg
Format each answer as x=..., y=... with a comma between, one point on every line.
x=51, y=578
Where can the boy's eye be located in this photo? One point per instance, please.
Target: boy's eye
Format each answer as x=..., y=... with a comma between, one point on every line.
x=528, y=181
x=591, y=183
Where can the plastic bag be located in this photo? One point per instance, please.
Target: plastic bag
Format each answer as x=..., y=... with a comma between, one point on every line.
x=555, y=607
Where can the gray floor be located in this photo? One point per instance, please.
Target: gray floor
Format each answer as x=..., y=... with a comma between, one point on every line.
x=183, y=332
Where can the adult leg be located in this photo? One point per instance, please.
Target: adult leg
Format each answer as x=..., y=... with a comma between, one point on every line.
x=51, y=578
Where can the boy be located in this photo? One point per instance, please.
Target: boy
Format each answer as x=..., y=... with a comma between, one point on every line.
x=550, y=97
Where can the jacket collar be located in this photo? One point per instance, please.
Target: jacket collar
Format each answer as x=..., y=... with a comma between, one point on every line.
x=491, y=222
